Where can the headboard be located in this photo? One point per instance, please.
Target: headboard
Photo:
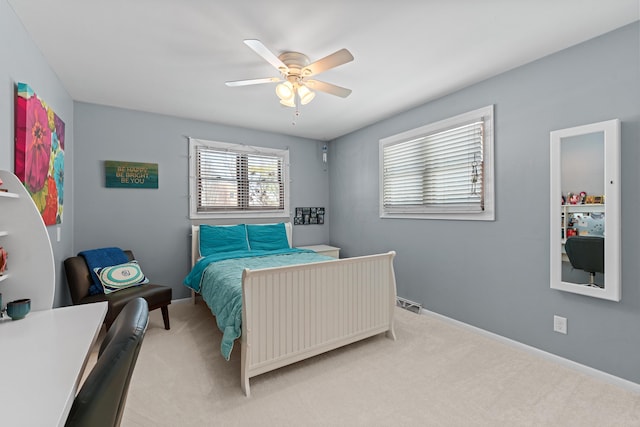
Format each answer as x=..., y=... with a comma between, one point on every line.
x=195, y=240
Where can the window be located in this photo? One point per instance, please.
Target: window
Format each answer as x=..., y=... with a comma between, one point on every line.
x=443, y=170
x=234, y=180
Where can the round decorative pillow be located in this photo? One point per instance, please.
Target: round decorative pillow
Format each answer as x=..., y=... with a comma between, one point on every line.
x=122, y=276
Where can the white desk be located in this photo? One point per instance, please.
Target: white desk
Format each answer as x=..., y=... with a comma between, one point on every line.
x=42, y=358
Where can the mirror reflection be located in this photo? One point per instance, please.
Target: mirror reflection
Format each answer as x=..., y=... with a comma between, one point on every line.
x=582, y=209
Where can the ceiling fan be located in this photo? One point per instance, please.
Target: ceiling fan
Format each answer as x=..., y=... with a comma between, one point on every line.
x=295, y=74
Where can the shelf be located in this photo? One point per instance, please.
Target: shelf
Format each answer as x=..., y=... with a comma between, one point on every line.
x=24, y=236
x=567, y=210
x=9, y=195
x=583, y=208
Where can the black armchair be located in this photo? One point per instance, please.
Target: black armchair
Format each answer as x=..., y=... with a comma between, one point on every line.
x=79, y=280
x=101, y=400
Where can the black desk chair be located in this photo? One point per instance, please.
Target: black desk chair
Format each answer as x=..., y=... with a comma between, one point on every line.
x=101, y=400
x=586, y=253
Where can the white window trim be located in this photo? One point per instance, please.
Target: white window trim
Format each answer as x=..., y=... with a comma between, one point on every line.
x=488, y=214
x=193, y=208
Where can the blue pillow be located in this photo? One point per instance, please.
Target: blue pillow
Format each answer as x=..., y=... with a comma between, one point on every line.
x=222, y=238
x=102, y=257
x=268, y=237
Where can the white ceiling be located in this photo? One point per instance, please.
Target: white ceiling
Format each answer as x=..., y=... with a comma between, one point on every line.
x=173, y=56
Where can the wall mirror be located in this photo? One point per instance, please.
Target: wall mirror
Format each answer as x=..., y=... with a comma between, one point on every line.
x=585, y=210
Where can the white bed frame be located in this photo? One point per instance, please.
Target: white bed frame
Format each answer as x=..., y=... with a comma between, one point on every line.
x=292, y=313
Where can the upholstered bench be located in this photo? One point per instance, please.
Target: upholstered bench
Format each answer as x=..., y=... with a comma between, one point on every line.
x=79, y=280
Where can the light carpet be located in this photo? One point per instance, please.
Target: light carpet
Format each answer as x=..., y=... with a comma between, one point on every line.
x=435, y=374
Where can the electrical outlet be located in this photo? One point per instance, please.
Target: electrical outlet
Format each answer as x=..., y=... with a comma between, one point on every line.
x=560, y=324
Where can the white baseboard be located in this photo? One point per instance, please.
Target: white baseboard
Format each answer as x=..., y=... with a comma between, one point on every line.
x=611, y=379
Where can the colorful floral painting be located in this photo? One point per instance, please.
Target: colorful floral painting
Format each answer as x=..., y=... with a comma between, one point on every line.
x=39, y=154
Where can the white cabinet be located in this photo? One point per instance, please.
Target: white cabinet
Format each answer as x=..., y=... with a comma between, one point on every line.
x=331, y=251
x=569, y=212
x=30, y=269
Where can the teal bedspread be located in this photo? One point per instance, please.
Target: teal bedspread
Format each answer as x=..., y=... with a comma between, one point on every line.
x=218, y=278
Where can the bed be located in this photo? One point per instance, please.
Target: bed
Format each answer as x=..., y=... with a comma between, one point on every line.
x=286, y=304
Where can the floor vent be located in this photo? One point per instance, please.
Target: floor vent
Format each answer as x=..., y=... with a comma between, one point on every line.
x=409, y=305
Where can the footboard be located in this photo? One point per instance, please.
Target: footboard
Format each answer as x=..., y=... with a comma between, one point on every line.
x=293, y=313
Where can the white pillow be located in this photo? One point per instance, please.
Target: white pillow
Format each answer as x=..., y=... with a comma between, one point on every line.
x=121, y=276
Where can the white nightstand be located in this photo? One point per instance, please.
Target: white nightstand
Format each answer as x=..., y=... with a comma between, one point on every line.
x=331, y=251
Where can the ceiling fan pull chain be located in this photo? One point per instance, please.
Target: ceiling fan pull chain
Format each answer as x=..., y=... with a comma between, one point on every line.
x=296, y=114
x=296, y=101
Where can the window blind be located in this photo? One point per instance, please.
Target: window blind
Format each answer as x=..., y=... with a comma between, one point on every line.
x=442, y=171
x=228, y=180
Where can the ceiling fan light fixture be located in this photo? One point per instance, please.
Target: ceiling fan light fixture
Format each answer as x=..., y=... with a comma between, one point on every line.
x=305, y=95
x=295, y=69
x=285, y=91
x=288, y=102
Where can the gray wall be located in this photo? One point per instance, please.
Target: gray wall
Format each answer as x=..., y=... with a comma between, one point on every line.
x=495, y=275
x=21, y=61
x=154, y=223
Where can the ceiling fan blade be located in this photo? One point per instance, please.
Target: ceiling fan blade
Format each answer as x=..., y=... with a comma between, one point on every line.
x=328, y=88
x=252, y=81
x=269, y=56
x=337, y=58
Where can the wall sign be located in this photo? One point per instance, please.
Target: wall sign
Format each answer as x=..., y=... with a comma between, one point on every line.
x=130, y=174
x=307, y=216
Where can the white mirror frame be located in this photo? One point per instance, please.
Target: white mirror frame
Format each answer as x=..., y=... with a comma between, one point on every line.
x=612, y=282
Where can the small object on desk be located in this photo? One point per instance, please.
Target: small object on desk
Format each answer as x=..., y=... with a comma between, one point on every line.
x=18, y=309
x=3, y=260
